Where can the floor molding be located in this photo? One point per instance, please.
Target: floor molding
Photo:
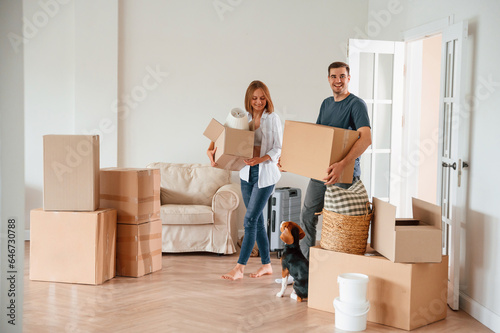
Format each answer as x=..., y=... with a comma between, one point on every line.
x=480, y=313
x=26, y=235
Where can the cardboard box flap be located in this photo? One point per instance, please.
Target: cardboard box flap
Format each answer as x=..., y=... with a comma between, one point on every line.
x=426, y=212
x=213, y=130
x=384, y=220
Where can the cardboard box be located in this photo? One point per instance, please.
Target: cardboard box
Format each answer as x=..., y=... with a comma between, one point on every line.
x=309, y=149
x=134, y=193
x=73, y=247
x=405, y=296
x=407, y=240
x=71, y=172
x=233, y=145
x=138, y=249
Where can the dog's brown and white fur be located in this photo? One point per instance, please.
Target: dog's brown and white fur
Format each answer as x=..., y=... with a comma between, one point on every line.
x=293, y=262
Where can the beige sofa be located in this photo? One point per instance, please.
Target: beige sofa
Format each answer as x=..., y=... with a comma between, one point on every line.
x=198, y=208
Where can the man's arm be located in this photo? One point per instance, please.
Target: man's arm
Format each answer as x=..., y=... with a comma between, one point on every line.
x=364, y=141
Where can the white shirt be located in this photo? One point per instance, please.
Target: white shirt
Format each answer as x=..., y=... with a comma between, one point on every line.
x=272, y=137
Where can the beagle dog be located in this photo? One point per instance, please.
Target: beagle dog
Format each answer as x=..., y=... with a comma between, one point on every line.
x=293, y=262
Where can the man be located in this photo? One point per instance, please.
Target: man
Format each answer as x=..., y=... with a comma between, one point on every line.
x=342, y=110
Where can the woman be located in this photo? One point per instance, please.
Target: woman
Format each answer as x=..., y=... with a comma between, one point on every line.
x=258, y=177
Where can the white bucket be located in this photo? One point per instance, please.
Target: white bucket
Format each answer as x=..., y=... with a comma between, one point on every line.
x=350, y=316
x=352, y=287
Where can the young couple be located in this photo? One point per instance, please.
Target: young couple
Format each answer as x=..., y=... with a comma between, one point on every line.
x=262, y=172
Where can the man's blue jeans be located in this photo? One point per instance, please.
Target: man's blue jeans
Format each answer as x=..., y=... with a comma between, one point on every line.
x=255, y=199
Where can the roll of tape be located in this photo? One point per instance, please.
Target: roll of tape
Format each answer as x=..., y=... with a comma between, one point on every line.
x=238, y=119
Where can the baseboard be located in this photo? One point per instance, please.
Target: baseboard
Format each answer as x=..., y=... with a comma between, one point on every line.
x=480, y=313
x=241, y=232
x=26, y=235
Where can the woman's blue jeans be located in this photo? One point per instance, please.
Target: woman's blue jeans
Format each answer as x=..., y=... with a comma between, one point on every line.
x=255, y=199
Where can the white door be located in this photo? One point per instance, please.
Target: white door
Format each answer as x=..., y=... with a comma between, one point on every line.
x=377, y=70
x=377, y=76
x=453, y=152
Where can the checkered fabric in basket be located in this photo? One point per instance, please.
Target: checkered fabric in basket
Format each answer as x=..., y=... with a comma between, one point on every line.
x=351, y=201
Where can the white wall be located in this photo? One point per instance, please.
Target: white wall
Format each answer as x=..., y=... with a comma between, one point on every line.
x=49, y=86
x=71, y=70
x=480, y=272
x=96, y=74
x=206, y=62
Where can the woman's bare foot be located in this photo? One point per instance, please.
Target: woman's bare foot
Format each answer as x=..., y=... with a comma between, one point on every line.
x=235, y=274
x=266, y=269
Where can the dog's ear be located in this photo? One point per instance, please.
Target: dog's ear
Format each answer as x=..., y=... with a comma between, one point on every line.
x=302, y=234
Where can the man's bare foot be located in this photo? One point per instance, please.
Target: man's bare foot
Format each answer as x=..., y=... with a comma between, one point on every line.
x=235, y=274
x=266, y=269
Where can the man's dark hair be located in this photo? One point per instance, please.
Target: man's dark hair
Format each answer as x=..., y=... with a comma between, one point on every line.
x=338, y=64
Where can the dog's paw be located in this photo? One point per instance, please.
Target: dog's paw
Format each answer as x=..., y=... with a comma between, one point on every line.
x=280, y=294
x=293, y=296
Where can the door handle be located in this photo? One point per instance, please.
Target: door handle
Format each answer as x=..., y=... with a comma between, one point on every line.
x=453, y=166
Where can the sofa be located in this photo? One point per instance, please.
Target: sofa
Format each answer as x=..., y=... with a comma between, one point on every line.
x=198, y=208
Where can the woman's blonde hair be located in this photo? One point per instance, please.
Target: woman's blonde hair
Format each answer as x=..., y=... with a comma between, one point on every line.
x=249, y=94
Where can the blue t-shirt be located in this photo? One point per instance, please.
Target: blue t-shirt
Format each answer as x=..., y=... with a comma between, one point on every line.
x=350, y=113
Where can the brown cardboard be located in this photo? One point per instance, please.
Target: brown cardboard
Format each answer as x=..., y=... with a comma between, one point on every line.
x=407, y=243
x=133, y=192
x=405, y=296
x=309, y=149
x=138, y=249
x=71, y=172
x=73, y=247
x=233, y=145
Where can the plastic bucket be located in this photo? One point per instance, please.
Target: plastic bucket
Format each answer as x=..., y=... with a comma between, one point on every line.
x=350, y=316
x=352, y=287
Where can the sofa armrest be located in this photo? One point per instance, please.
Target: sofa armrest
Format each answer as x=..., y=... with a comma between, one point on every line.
x=225, y=205
x=226, y=199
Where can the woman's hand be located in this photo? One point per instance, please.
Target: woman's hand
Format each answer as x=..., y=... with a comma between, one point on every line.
x=211, y=156
x=279, y=165
x=256, y=160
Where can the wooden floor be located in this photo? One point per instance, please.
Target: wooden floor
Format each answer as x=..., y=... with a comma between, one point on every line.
x=188, y=295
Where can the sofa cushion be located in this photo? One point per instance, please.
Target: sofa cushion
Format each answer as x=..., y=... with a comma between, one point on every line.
x=190, y=184
x=186, y=214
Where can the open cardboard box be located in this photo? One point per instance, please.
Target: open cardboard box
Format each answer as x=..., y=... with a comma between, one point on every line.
x=405, y=296
x=413, y=240
x=309, y=149
x=233, y=145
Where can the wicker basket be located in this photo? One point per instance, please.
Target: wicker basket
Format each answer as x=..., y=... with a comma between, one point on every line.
x=343, y=233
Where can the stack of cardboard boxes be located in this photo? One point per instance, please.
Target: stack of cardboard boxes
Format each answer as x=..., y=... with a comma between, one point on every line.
x=72, y=240
x=75, y=238
x=408, y=275
x=135, y=194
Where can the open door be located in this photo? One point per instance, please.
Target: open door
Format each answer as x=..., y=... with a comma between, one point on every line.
x=453, y=151
x=377, y=76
